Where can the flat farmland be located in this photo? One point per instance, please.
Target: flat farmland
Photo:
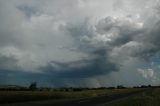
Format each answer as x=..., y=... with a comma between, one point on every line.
x=149, y=97
x=9, y=97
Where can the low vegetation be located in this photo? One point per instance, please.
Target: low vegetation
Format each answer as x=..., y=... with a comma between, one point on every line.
x=16, y=94
x=36, y=95
x=150, y=97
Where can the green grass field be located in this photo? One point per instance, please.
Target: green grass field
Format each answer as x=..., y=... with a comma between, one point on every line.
x=149, y=97
x=24, y=96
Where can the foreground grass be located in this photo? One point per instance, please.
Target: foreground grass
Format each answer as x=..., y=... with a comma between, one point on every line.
x=149, y=97
x=24, y=96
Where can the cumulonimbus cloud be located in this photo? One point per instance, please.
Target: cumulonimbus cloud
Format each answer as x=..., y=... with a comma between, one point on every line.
x=61, y=39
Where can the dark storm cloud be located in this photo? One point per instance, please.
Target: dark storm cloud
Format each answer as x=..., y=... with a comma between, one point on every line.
x=96, y=66
x=15, y=77
x=153, y=35
x=127, y=36
x=149, y=39
x=140, y=42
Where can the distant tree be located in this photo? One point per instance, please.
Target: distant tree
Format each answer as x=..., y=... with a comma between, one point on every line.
x=136, y=86
x=33, y=85
x=120, y=87
x=149, y=86
x=111, y=88
x=143, y=86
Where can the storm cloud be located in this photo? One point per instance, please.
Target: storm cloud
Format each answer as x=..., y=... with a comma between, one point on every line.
x=94, y=43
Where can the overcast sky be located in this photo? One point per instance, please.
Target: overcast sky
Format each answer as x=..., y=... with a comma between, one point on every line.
x=80, y=43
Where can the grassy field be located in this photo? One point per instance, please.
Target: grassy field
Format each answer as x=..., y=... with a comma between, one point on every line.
x=24, y=96
x=149, y=97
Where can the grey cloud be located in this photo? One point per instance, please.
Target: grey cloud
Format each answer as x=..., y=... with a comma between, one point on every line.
x=8, y=63
x=106, y=24
x=127, y=38
x=118, y=5
x=27, y=10
x=94, y=42
x=127, y=34
x=122, y=30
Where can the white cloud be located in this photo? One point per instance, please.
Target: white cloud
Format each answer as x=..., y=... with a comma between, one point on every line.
x=146, y=73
